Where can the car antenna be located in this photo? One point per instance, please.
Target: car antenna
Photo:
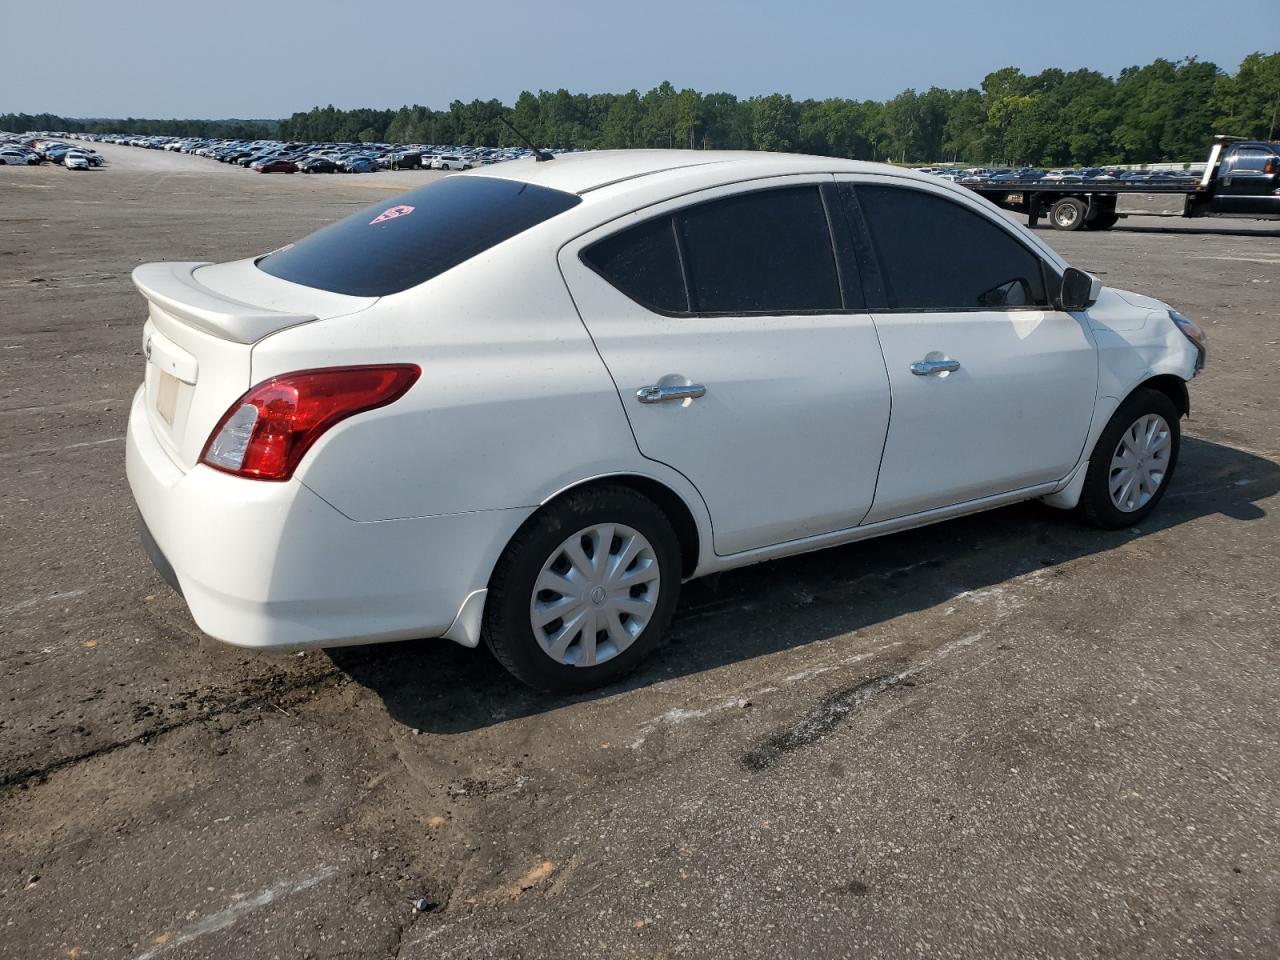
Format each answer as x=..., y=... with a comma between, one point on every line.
x=538, y=154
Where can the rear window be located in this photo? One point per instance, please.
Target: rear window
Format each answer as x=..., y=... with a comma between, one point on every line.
x=406, y=241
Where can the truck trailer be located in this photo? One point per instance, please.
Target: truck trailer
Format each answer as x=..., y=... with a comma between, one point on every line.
x=1241, y=179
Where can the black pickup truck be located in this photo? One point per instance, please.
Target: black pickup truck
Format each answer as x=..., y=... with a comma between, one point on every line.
x=1241, y=179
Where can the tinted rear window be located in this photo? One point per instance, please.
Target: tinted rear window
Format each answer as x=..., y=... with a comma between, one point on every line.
x=406, y=241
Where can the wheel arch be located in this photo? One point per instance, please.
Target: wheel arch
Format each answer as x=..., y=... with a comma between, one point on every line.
x=1173, y=387
x=1170, y=384
x=673, y=505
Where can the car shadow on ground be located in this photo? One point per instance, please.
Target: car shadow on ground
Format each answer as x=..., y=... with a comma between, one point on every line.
x=1196, y=231
x=439, y=687
x=1187, y=230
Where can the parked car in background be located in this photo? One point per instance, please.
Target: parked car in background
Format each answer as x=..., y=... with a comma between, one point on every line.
x=360, y=165
x=1023, y=174
x=346, y=157
x=359, y=436
x=449, y=162
x=75, y=160
x=277, y=166
x=318, y=165
x=15, y=156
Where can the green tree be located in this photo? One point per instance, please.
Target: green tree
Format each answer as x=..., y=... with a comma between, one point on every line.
x=1248, y=104
x=775, y=122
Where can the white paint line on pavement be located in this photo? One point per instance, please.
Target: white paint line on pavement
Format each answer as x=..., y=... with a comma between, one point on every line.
x=222, y=919
x=1003, y=599
x=42, y=407
x=70, y=446
x=678, y=715
x=1239, y=259
x=34, y=601
x=91, y=443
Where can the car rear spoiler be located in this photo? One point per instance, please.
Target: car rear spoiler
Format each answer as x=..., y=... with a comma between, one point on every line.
x=174, y=289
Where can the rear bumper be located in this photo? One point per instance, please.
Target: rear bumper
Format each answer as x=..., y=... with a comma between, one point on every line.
x=272, y=565
x=157, y=557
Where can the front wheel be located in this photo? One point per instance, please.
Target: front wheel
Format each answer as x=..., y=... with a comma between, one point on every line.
x=585, y=591
x=1133, y=461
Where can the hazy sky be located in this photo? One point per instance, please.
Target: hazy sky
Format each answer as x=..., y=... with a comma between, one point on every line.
x=234, y=58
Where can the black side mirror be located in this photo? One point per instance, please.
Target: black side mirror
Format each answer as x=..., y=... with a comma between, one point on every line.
x=1078, y=290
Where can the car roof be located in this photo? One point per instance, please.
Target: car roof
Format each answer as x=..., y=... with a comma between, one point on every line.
x=584, y=171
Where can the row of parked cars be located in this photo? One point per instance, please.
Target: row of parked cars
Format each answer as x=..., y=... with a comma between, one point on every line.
x=1063, y=175
x=26, y=150
x=275, y=156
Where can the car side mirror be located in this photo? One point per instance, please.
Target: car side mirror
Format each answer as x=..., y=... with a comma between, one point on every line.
x=1079, y=290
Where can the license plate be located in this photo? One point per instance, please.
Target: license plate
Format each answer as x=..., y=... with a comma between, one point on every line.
x=166, y=396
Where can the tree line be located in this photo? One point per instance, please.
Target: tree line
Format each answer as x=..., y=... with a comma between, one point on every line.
x=222, y=129
x=1165, y=110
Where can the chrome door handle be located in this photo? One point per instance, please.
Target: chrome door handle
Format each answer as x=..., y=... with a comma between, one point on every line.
x=657, y=394
x=922, y=368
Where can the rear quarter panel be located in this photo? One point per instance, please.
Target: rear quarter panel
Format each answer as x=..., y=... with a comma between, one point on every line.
x=513, y=403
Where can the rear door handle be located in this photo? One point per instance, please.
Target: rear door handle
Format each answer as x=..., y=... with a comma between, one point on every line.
x=658, y=394
x=923, y=368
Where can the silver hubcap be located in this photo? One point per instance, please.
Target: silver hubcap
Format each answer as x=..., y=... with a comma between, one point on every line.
x=595, y=595
x=1066, y=215
x=1140, y=463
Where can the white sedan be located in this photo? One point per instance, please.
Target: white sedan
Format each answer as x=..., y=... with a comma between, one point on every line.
x=524, y=404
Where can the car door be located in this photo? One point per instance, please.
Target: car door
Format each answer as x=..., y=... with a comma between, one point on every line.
x=1247, y=182
x=743, y=354
x=993, y=388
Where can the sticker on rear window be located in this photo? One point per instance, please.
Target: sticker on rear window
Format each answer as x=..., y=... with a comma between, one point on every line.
x=399, y=210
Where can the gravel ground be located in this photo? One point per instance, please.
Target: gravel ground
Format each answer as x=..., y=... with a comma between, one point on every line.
x=1006, y=735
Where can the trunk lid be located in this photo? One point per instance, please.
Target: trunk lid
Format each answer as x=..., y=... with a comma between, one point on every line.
x=202, y=323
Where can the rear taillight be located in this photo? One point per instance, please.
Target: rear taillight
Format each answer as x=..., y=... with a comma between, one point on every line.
x=267, y=431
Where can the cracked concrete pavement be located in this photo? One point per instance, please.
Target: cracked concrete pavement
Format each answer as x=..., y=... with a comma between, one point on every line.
x=1007, y=735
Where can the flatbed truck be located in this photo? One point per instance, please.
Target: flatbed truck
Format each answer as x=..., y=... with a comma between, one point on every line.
x=1241, y=179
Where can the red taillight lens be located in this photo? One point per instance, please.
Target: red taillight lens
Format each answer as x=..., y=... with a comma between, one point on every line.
x=267, y=431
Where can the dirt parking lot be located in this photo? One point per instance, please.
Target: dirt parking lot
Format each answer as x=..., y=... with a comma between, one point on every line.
x=1007, y=735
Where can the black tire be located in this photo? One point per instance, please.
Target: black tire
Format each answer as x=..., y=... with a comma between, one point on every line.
x=507, y=630
x=1068, y=214
x=1096, y=506
x=1103, y=221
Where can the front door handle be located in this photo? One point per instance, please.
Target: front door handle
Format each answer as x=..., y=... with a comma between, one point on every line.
x=657, y=393
x=923, y=368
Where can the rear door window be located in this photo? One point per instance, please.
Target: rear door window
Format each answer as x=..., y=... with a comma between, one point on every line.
x=406, y=241
x=763, y=252
x=936, y=254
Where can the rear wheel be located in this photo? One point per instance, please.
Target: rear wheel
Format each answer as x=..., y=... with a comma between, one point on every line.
x=585, y=591
x=1103, y=221
x=1133, y=461
x=1067, y=214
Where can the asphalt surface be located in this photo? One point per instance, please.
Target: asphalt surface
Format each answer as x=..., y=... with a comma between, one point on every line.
x=1004, y=736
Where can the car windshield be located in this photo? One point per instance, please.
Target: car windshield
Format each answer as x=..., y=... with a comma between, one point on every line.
x=403, y=242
